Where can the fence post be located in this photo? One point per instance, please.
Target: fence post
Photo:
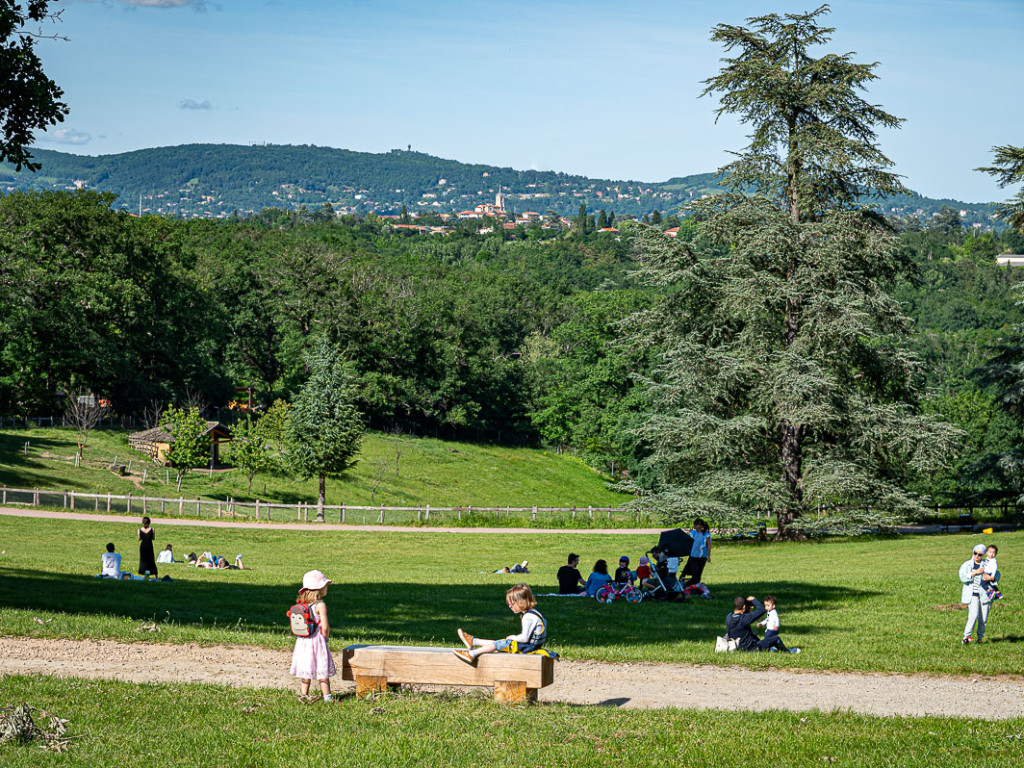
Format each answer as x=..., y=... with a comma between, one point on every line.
x=428, y=513
x=460, y=512
x=181, y=505
x=108, y=502
x=419, y=514
x=161, y=505
x=96, y=503
x=5, y=494
x=573, y=511
x=144, y=505
x=199, y=509
x=72, y=494
x=382, y=514
x=341, y=517
x=129, y=504
x=218, y=509
x=298, y=512
x=35, y=498
x=534, y=513
x=591, y=510
x=305, y=512
x=257, y=510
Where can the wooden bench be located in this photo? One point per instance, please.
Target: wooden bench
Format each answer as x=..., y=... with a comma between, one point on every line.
x=515, y=677
x=963, y=521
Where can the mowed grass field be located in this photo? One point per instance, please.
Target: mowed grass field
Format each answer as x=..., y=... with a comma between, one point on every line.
x=120, y=724
x=429, y=471
x=853, y=605
x=887, y=605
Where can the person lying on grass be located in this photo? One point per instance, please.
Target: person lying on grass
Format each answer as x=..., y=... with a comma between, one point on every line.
x=531, y=638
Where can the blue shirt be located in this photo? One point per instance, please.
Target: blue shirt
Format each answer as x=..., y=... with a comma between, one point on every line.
x=595, y=581
x=700, y=543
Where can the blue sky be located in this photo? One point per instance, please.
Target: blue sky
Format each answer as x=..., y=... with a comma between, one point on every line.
x=604, y=89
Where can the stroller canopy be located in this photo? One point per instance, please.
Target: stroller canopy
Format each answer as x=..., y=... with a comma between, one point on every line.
x=675, y=543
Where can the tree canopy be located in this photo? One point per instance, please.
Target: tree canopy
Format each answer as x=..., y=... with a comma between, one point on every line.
x=781, y=383
x=29, y=100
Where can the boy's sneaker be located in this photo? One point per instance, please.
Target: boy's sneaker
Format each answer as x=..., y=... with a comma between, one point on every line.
x=967, y=640
x=997, y=595
x=466, y=638
x=794, y=650
x=466, y=656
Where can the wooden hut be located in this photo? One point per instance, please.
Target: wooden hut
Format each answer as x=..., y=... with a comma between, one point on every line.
x=156, y=442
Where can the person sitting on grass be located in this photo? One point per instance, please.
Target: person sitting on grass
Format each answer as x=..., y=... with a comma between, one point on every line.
x=643, y=573
x=771, y=640
x=570, y=580
x=166, y=555
x=598, y=578
x=622, y=574
x=531, y=637
x=745, y=611
x=110, y=563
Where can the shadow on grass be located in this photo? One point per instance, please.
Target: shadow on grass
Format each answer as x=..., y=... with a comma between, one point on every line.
x=413, y=614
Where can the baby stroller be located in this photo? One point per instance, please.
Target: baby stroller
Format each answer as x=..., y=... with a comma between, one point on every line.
x=674, y=543
x=610, y=591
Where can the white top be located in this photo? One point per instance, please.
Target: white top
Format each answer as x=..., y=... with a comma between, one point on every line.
x=700, y=543
x=531, y=624
x=111, y=565
x=771, y=621
x=990, y=568
x=165, y=556
x=673, y=564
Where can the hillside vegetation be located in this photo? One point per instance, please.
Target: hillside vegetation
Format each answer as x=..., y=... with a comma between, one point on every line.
x=392, y=470
x=218, y=180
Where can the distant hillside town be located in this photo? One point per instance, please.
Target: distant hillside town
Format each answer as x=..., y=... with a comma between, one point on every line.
x=224, y=180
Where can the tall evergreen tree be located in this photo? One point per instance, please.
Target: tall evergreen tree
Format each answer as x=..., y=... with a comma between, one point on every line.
x=325, y=427
x=602, y=219
x=783, y=386
x=1009, y=169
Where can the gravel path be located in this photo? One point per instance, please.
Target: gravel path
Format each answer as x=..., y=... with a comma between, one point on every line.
x=639, y=685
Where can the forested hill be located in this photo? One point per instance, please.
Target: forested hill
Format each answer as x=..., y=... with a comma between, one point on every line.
x=217, y=180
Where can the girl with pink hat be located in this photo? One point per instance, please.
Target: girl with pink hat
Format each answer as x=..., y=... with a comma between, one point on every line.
x=311, y=658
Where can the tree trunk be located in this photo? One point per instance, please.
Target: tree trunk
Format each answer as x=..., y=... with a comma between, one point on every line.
x=792, y=476
x=320, y=499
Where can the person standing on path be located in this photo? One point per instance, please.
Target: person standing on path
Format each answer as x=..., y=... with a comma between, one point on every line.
x=973, y=595
x=147, y=560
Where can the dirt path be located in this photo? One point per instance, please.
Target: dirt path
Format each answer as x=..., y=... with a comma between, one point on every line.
x=639, y=685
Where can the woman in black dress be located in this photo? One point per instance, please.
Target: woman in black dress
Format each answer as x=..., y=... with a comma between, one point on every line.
x=147, y=561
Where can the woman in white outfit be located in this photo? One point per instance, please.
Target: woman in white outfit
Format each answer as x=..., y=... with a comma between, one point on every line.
x=972, y=594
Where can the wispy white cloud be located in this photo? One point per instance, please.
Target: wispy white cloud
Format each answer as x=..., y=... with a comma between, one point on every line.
x=67, y=136
x=193, y=104
x=199, y=5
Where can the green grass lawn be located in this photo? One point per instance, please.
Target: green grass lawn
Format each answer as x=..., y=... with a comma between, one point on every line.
x=864, y=604
x=121, y=724
x=429, y=471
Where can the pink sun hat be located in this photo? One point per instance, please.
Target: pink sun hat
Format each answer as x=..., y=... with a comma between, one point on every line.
x=315, y=580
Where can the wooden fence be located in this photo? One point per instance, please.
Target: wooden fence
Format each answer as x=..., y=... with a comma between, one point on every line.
x=304, y=512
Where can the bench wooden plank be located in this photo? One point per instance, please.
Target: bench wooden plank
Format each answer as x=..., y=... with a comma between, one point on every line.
x=439, y=666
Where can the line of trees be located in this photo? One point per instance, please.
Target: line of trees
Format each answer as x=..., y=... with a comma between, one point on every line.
x=766, y=358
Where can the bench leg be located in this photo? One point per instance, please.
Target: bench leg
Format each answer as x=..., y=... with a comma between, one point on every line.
x=367, y=684
x=514, y=692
